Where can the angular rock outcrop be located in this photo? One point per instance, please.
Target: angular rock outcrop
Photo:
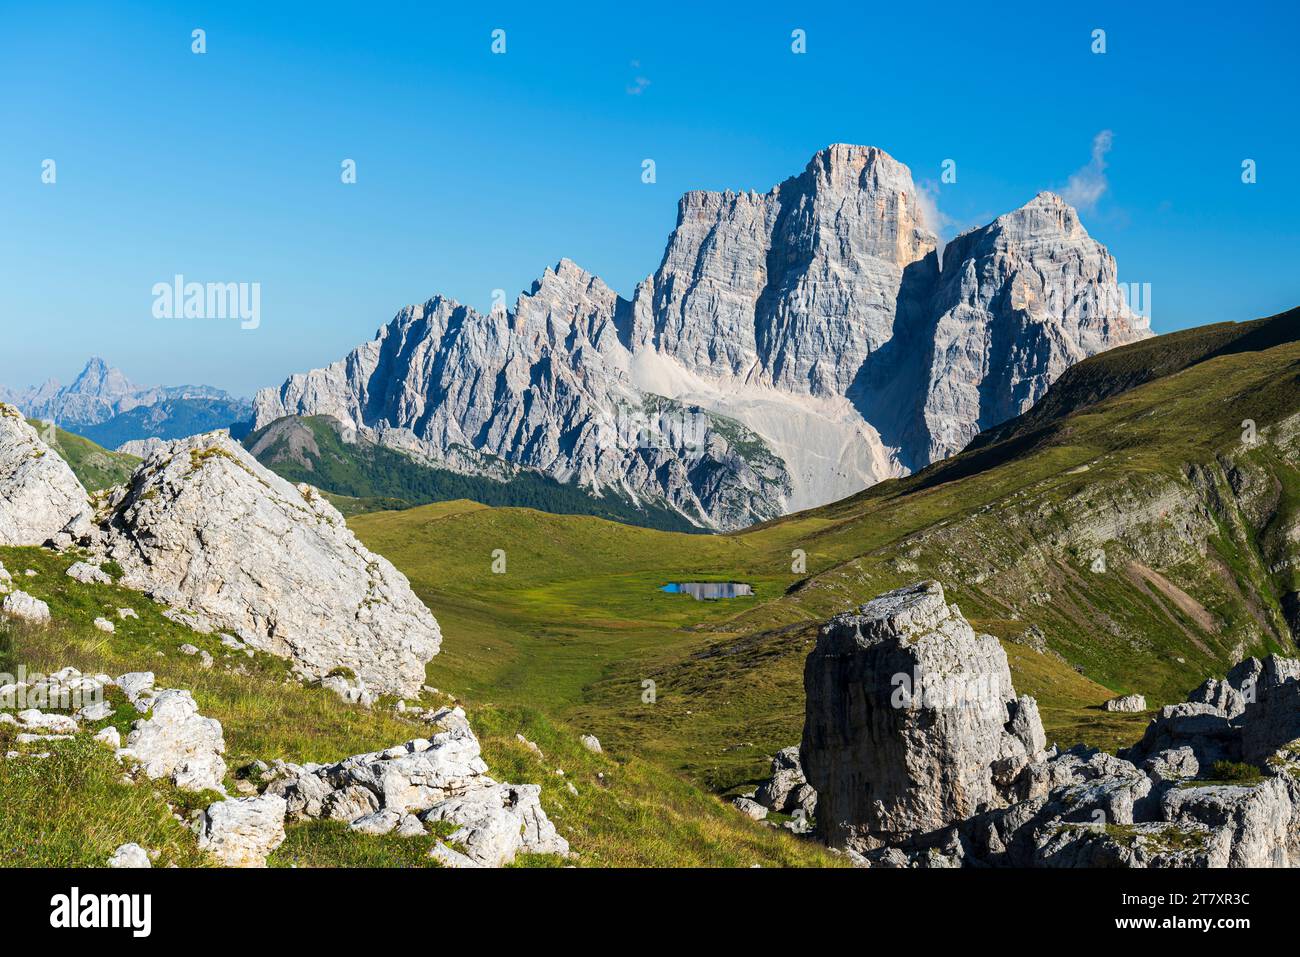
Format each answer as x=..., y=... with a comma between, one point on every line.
x=175, y=742
x=912, y=723
x=948, y=788
x=786, y=791
x=39, y=495
x=793, y=347
x=203, y=526
x=442, y=778
x=241, y=832
x=24, y=607
x=1020, y=300
x=1131, y=703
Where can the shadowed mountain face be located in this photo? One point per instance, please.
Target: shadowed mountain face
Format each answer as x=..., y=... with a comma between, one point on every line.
x=793, y=347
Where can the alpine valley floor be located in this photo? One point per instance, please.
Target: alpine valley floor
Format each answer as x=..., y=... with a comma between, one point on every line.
x=1139, y=539
x=1135, y=532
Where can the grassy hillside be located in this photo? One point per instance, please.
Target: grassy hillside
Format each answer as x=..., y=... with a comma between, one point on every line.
x=1140, y=541
x=628, y=811
x=1137, y=544
x=96, y=467
x=1128, y=367
x=364, y=476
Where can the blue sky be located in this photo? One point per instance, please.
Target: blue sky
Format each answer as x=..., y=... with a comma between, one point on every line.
x=475, y=171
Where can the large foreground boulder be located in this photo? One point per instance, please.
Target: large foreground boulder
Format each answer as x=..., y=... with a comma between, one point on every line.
x=948, y=778
x=912, y=723
x=203, y=526
x=39, y=495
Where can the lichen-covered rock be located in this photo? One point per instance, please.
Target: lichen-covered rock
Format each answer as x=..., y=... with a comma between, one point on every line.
x=908, y=724
x=241, y=832
x=204, y=527
x=1149, y=844
x=178, y=743
x=1248, y=824
x=39, y=495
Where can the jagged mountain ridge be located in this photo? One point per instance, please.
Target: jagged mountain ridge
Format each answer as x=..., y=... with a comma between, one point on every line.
x=793, y=347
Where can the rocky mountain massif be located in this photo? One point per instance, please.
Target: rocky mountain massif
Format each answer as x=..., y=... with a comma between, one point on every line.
x=103, y=405
x=956, y=771
x=793, y=347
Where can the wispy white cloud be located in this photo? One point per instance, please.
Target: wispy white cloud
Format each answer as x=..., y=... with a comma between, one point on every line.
x=938, y=222
x=639, y=84
x=1087, y=185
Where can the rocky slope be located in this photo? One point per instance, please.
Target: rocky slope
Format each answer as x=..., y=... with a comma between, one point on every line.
x=439, y=781
x=962, y=779
x=230, y=547
x=792, y=347
x=426, y=781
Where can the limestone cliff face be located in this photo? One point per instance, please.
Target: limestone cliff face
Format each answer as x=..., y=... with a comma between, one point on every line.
x=544, y=387
x=794, y=288
x=793, y=347
x=1020, y=300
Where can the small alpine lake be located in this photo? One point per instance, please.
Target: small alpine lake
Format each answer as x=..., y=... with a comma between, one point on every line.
x=709, y=591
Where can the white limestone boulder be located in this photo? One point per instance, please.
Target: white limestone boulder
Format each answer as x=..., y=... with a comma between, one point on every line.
x=39, y=495
x=204, y=527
